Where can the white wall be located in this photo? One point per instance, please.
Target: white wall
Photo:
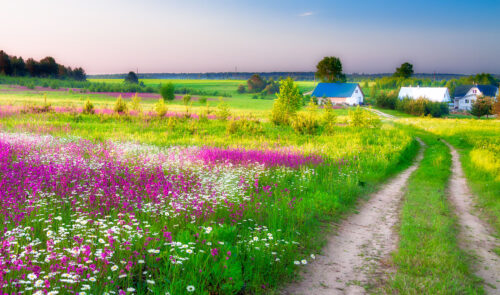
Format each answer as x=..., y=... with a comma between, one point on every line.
x=356, y=98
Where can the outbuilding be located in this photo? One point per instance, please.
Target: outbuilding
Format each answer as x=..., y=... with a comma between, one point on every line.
x=436, y=94
x=339, y=93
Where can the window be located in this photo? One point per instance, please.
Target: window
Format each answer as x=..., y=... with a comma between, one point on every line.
x=356, y=91
x=466, y=101
x=474, y=91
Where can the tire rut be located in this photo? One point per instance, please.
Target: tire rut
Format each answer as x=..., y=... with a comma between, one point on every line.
x=475, y=235
x=352, y=259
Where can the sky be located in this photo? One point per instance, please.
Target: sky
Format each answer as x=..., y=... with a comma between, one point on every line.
x=153, y=36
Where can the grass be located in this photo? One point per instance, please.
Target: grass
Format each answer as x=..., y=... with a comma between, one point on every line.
x=429, y=260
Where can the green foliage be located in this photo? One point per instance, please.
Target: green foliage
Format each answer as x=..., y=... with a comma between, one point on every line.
x=88, y=107
x=306, y=123
x=241, y=88
x=328, y=120
x=135, y=103
x=405, y=71
x=202, y=100
x=422, y=107
x=120, y=106
x=363, y=118
x=244, y=125
x=256, y=84
x=161, y=108
x=131, y=78
x=329, y=69
x=167, y=91
x=186, y=99
x=483, y=106
x=387, y=100
x=287, y=103
x=223, y=112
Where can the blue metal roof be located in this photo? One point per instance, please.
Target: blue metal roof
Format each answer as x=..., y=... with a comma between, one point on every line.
x=334, y=89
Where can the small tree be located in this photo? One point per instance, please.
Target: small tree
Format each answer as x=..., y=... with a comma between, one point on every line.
x=483, y=106
x=223, y=112
x=404, y=71
x=329, y=119
x=135, y=104
x=496, y=106
x=120, y=106
x=256, y=83
x=288, y=102
x=241, y=88
x=88, y=107
x=186, y=99
x=132, y=78
x=167, y=91
x=161, y=108
x=329, y=69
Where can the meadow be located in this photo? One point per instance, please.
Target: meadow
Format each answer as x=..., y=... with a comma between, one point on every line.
x=195, y=203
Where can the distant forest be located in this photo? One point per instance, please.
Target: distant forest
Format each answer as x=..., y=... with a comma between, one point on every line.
x=47, y=67
x=298, y=76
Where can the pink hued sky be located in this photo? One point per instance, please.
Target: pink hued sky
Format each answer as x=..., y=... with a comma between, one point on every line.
x=117, y=36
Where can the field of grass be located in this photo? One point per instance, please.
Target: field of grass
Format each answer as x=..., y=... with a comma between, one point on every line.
x=428, y=259
x=261, y=224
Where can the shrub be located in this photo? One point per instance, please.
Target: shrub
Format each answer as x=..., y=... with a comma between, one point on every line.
x=241, y=88
x=483, y=106
x=306, y=123
x=186, y=99
x=88, y=107
x=386, y=101
x=161, y=108
x=328, y=120
x=135, y=104
x=223, y=112
x=287, y=103
x=363, y=118
x=422, y=107
x=202, y=100
x=245, y=125
x=167, y=91
x=120, y=106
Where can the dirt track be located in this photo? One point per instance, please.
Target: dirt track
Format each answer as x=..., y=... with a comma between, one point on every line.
x=352, y=258
x=475, y=235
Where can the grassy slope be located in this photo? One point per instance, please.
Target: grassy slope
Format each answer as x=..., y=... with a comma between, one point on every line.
x=429, y=260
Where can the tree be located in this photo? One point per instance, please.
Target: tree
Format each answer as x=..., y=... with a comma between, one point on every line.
x=18, y=66
x=5, y=64
x=132, y=78
x=32, y=67
x=288, y=102
x=48, y=67
x=483, y=106
x=482, y=79
x=329, y=69
x=79, y=74
x=256, y=83
x=241, y=88
x=167, y=91
x=404, y=71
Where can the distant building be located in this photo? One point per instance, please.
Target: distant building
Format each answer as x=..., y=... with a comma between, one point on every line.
x=436, y=94
x=465, y=95
x=339, y=93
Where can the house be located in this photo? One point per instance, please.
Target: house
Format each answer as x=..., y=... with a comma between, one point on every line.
x=339, y=93
x=436, y=94
x=465, y=95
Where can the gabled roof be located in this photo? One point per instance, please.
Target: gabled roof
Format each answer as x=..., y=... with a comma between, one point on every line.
x=439, y=94
x=486, y=90
x=334, y=89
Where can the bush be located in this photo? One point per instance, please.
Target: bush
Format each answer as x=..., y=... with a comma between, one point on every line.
x=287, y=103
x=120, y=106
x=186, y=99
x=363, y=118
x=241, y=88
x=161, y=108
x=328, y=120
x=167, y=91
x=244, y=125
x=483, y=106
x=306, y=123
x=422, y=107
x=202, y=100
x=386, y=101
x=223, y=112
x=88, y=107
x=135, y=104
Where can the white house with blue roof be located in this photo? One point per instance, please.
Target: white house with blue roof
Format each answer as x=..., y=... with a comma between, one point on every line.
x=339, y=93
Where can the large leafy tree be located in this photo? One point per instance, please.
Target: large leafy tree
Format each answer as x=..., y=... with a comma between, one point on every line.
x=256, y=83
x=483, y=106
x=329, y=69
x=49, y=67
x=404, y=71
x=5, y=64
x=132, y=78
x=167, y=91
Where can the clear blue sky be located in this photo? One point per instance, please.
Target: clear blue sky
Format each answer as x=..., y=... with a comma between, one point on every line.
x=112, y=36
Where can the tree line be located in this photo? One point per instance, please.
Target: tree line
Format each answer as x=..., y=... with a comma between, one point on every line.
x=45, y=68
